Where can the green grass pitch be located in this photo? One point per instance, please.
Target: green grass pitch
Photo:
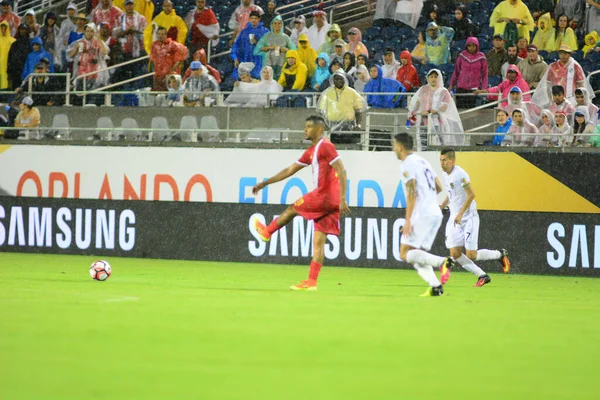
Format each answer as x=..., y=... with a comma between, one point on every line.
x=201, y=330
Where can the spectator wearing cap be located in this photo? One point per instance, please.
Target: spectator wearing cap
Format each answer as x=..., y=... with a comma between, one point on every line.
x=29, y=116
x=339, y=51
x=470, y=72
x=513, y=78
x=130, y=32
x=513, y=14
x=6, y=42
x=67, y=25
x=49, y=33
x=334, y=33
x=19, y=51
x=12, y=18
x=81, y=21
x=203, y=26
x=533, y=67
x=437, y=49
x=497, y=56
x=168, y=18
x=318, y=31
x=34, y=27
x=241, y=16
x=299, y=29
x=106, y=12
x=566, y=72
x=37, y=54
x=199, y=86
x=274, y=45
x=307, y=54
x=200, y=55
x=87, y=54
x=42, y=83
x=355, y=44
x=245, y=44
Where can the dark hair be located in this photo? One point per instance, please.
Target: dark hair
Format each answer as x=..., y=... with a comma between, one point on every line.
x=317, y=120
x=255, y=14
x=388, y=50
x=578, y=91
x=557, y=30
x=516, y=111
x=405, y=140
x=449, y=152
x=558, y=89
x=161, y=28
x=500, y=110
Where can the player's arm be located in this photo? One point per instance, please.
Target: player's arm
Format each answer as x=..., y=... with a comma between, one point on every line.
x=338, y=166
x=438, y=185
x=445, y=203
x=283, y=174
x=467, y=203
x=411, y=199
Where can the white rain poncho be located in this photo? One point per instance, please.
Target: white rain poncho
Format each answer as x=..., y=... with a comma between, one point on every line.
x=543, y=93
x=445, y=125
x=255, y=94
x=533, y=113
x=592, y=108
x=405, y=11
x=548, y=139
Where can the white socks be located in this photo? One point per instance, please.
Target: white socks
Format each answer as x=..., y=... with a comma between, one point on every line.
x=470, y=266
x=424, y=258
x=426, y=272
x=486, y=255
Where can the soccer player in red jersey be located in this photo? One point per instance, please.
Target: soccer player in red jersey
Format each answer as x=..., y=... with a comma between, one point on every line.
x=323, y=205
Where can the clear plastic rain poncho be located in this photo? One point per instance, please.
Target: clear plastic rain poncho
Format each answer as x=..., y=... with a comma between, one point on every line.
x=255, y=94
x=340, y=106
x=405, y=11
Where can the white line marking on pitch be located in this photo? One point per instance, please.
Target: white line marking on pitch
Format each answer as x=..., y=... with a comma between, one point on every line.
x=119, y=299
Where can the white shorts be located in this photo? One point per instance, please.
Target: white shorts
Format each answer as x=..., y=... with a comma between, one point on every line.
x=464, y=235
x=424, y=230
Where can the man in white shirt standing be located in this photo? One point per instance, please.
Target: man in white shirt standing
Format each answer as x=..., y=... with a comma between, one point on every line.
x=317, y=33
x=423, y=216
x=462, y=229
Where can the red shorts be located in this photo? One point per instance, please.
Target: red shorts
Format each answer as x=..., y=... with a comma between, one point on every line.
x=313, y=206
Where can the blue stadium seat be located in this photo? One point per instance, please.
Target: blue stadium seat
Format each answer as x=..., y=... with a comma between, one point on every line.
x=552, y=57
x=375, y=46
x=388, y=31
x=447, y=69
x=372, y=33
x=578, y=55
x=494, y=81
x=594, y=57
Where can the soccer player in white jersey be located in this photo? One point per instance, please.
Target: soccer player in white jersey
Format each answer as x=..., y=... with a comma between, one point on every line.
x=462, y=229
x=423, y=216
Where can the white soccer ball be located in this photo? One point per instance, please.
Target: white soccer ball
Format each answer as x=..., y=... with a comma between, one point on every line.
x=100, y=270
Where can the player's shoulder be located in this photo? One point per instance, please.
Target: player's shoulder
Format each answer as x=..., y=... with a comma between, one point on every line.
x=461, y=171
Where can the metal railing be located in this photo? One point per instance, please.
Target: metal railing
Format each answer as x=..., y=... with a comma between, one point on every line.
x=349, y=11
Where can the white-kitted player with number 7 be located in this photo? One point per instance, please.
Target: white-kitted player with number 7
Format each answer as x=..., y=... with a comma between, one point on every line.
x=462, y=229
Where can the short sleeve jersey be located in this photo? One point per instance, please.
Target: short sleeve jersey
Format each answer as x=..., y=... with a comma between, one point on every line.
x=321, y=156
x=456, y=181
x=417, y=168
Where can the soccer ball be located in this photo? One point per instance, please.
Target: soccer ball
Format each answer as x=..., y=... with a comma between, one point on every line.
x=100, y=270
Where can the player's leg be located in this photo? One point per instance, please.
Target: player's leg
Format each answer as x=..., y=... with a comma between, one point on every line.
x=465, y=235
x=316, y=263
x=265, y=231
x=488, y=255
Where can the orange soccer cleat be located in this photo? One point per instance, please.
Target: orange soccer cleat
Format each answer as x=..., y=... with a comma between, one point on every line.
x=262, y=231
x=504, y=261
x=307, y=285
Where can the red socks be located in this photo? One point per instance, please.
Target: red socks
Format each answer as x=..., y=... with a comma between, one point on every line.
x=273, y=227
x=315, y=268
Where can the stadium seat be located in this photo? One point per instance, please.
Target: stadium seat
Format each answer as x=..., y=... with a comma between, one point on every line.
x=372, y=33
x=552, y=57
x=104, y=123
x=209, y=122
x=133, y=130
x=447, y=69
x=60, y=124
x=267, y=135
x=188, y=122
x=159, y=123
x=494, y=81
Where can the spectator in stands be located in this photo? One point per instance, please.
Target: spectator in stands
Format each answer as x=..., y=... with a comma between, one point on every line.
x=582, y=99
x=341, y=106
x=513, y=59
x=561, y=129
x=470, y=73
x=560, y=103
x=437, y=49
x=349, y=62
x=355, y=44
x=130, y=33
x=266, y=85
x=573, y=9
x=500, y=92
x=546, y=128
x=390, y=64
x=200, y=55
x=67, y=25
x=175, y=89
x=299, y=29
x=88, y=55
x=29, y=116
x=38, y=52
x=318, y=31
x=77, y=34
x=582, y=126
x=245, y=44
x=521, y=127
x=333, y=34
x=168, y=19
x=515, y=12
x=362, y=79
x=244, y=73
x=114, y=51
x=307, y=55
x=49, y=33
x=167, y=56
x=41, y=84
x=241, y=16
x=203, y=26
x=515, y=100
x=12, y=18
x=294, y=75
x=522, y=45
x=497, y=56
x=592, y=17
x=418, y=53
x=19, y=51
x=563, y=35
x=34, y=27
x=362, y=59
x=321, y=73
x=595, y=139
x=143, y=7
x=435, y=16
x=340, y=50
x=6, y=42
x=544, y=37
x=271, y=13
x=106, y=12
x=565, y=72
x=274, y=45
x=407, y=74
x=504, y=123
x=540, y=7
x=334, y=67
x=590, y=42
x=463, y=26
x=199, y=86
x=379, y=84
x=533, y=68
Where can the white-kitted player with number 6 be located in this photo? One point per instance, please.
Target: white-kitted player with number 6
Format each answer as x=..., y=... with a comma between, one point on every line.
x=462, y=229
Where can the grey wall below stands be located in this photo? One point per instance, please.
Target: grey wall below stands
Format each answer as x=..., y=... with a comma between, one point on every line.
x=239, y=118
